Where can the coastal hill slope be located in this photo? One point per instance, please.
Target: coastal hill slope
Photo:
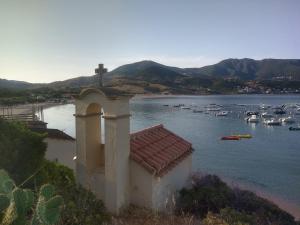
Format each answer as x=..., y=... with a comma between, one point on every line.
x=149, y=76
x=147, y=71
x=250, y=69
x=13, y=84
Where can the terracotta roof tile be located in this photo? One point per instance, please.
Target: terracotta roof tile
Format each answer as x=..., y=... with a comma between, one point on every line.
x=158, y=150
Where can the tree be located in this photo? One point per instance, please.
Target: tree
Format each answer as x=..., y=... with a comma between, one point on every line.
x=22, y=151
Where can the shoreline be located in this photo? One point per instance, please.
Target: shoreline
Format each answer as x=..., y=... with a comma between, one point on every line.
x=283, y=204
x=28, y=108
x=149, y=96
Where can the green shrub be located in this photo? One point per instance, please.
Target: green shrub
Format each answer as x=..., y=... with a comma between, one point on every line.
x=210, y=194
x=229, y=216
x=22, y=151
x=81, y=206
x=22, y=155
x=207, y=194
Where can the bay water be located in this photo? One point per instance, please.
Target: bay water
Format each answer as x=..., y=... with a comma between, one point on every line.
x=268, y=163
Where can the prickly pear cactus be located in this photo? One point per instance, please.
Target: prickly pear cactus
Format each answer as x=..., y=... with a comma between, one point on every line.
x=48, y=206
x=17, y=204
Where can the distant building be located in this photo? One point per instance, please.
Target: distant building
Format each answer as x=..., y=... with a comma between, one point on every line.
x=61, y=147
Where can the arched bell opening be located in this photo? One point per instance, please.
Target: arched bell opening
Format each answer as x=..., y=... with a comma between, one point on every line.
x=95, y=148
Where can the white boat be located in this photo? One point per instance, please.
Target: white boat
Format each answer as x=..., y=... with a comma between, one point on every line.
x=266, y=115
x=288, y=119
x=223, y=113
x=253, y=119
x=264, y=107
x=213, y=109
x=272, y=122
x=197, y=111
x=185, y=107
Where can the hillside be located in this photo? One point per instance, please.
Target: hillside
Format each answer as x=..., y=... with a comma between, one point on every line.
x=13, y=84
x=250, y=69
x=152, y=77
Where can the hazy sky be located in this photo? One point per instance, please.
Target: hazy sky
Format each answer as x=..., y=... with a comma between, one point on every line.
x=47, y=40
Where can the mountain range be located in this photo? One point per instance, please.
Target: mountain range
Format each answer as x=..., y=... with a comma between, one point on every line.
x=151, y=76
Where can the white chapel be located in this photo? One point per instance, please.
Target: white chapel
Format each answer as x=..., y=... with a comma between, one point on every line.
x=144, y=168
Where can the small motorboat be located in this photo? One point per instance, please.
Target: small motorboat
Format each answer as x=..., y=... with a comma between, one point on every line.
x=185, y=107
x=243, y=135
x=213, y=109
x=288, y=119
x=278, y=107
x=231, y=138
x=250, y=113
x=179, y=105
x=264, y=107
x=294, y=128
x=166, y=105
x=272, y=122
x=253, y=119
x=266, y=115
x=279, y=112
x=197, y=111
x=223, y=113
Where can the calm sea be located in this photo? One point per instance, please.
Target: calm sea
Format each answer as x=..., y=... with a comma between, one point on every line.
x=269, y=162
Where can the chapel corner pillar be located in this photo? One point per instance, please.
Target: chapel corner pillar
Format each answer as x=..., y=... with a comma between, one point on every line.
x=80, y=163
x=117, y=150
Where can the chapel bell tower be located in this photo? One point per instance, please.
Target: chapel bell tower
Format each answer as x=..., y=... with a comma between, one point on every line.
x=103, y=144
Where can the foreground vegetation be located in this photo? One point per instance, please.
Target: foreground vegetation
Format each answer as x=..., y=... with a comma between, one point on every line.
x=212, y=199
x=22, y=206
x=209, y=201
x=22, y=156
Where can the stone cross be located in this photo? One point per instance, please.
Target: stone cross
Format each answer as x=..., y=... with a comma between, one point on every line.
x=100, y=71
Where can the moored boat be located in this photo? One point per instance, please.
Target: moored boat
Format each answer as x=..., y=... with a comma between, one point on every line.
x=230, y=138
x=250, y=113
x=197, y=111
x=223, y=113
x=243, y=135
x=272, y=122
x=279, y=112
x=253, y=119
x=266, y=115
x=213, y=109
x=294, y=128
x=288, y=119
x=185, y=107
x=264, y=107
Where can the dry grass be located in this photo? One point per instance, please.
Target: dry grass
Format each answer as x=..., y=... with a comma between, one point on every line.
x=139, y=216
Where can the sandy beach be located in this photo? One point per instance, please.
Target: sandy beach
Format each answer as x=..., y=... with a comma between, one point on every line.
x=26, y=108
x=286, y=205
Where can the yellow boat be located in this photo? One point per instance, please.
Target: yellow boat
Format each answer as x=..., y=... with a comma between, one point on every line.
x=243, y=135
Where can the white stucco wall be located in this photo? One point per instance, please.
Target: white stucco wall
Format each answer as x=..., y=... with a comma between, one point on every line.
x=140, y=186
x=166, y=187
x=158, y=193
x=62, y=151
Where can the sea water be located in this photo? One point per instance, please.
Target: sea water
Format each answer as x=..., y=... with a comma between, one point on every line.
x=268, y=162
